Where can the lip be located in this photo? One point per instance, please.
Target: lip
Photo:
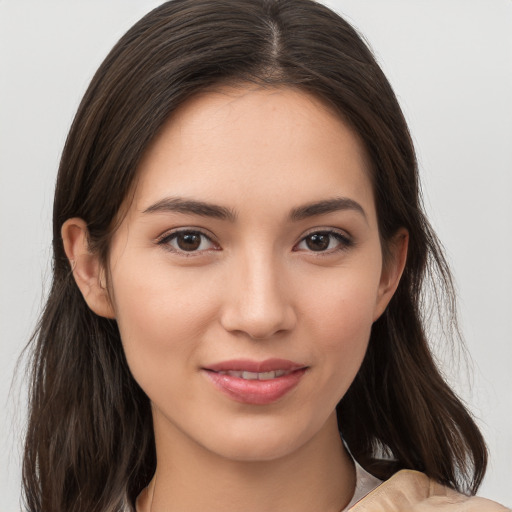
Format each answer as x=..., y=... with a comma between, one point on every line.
x=255, y=392
x=248, y=365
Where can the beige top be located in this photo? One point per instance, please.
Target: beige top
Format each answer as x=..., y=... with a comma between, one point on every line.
x=412, y=491
x=409, y=491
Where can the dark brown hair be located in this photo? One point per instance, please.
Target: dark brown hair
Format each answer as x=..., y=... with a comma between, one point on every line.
x=90, y=445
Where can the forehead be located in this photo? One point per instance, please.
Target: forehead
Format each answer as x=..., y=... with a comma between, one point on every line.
x=250, y=146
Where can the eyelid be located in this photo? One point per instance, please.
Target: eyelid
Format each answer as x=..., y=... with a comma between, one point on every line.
x=345, y=240
x=165, y=237
x=326, y=229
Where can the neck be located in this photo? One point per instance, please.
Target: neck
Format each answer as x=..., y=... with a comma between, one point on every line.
x=318, y=476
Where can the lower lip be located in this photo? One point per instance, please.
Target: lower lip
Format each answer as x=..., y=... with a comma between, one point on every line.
x=256, y=392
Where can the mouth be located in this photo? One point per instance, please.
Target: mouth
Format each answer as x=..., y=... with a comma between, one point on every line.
x=255, y=375
x=256, y=383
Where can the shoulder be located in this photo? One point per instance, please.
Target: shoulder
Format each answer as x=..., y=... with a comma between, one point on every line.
x=412, y=491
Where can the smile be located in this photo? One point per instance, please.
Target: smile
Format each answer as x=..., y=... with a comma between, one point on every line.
x=256, y=383
x=255, y=375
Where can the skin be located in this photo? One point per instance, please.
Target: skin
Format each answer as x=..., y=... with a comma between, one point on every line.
x=253, y=289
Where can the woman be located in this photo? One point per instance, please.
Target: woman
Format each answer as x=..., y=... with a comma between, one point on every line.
x=239, y=253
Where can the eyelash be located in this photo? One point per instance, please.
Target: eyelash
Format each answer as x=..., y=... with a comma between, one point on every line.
x=166, y=239
x=344, y=242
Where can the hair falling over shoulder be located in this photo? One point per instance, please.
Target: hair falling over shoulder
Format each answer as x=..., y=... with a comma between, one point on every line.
x=90, y=444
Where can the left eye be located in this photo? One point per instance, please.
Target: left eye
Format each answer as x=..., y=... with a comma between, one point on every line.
x=187, y=241
x=323, y=241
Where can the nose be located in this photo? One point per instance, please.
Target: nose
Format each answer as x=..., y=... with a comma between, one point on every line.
x=257, y=301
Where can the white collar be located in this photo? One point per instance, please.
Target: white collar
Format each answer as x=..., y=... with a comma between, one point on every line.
x=365, y=483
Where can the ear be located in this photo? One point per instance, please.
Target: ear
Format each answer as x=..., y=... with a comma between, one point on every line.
x=87, y=270
x=392, y=269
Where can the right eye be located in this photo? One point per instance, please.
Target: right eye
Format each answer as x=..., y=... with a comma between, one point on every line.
x=187, y=242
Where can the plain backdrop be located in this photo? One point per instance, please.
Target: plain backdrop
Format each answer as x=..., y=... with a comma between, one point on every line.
x=450, y=63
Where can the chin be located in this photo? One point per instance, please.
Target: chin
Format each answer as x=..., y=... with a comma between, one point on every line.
x=254, y=450
x=259, y=440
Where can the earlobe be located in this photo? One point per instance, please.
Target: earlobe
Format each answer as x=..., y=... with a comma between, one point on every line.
x=87, y=270
x=392, y=270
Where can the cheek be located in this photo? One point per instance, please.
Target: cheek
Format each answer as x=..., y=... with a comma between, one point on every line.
x=342, y=307
x=342, y=335
x=161, y=317
x=340, y=314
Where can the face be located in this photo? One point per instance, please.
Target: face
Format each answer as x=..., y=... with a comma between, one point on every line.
x=251, y=246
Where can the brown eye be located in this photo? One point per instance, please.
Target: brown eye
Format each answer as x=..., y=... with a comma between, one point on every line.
x=187, y=242
x=324, y=241
x=318, y=241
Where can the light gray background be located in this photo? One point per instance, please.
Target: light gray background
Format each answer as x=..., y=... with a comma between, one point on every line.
x=450, y=62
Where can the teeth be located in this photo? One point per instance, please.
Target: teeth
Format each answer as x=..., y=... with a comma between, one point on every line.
x=250, y=375
x=254, y=375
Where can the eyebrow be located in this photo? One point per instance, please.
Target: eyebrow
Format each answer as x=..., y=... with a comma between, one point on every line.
x=205, y=209
x=190, y=206
x=326, y=206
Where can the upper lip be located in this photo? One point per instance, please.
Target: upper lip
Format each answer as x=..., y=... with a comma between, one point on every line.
x=248, y=365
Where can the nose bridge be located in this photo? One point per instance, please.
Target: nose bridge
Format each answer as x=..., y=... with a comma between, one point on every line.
x=258, y=302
